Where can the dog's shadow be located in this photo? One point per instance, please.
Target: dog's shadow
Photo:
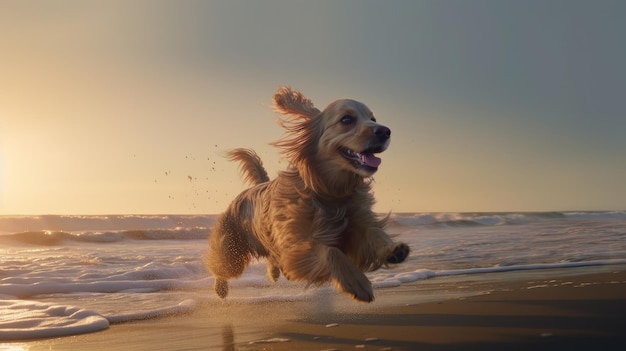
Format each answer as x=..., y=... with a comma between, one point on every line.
x=322, y=306
x=228, y=338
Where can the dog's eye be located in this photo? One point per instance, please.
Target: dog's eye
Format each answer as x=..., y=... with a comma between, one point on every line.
x=347, y=119
x=373, y=119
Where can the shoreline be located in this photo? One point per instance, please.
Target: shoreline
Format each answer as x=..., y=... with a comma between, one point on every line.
x=573, y=308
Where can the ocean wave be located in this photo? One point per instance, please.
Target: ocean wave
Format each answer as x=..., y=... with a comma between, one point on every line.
x=473, y=219
x=53, y=238
x=36, y=230
x=95, y=223
x=112, y=228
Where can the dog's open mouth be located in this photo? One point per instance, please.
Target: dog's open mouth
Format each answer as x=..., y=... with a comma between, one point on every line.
x=363, y=159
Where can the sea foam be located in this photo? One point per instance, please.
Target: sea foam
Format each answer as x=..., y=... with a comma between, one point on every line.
x=31, y=319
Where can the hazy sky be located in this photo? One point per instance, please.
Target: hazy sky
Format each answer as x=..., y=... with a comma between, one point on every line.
x=128, y=106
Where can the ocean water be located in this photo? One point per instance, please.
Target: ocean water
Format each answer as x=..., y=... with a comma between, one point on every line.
x=66, y=275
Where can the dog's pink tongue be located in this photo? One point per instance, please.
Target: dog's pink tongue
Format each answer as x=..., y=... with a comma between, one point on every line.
x=371, y=160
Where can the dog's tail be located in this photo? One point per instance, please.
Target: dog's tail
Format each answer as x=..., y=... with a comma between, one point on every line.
x=250, y=165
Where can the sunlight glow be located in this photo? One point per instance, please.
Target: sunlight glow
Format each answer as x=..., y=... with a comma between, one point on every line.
x=13, y=347
x=2, y=177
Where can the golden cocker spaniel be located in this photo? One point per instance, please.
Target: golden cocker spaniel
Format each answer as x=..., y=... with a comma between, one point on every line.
x=313, y=222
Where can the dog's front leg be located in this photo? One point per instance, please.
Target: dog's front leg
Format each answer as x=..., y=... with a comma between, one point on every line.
x=397, y=253
x=384, y=248
x=375, y=249
x=347, y=277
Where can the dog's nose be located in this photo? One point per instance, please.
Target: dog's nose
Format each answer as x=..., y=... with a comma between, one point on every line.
x=382, y=132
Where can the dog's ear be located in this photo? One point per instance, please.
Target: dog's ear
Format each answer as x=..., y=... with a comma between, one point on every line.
x=291, y=102
x=299, y=143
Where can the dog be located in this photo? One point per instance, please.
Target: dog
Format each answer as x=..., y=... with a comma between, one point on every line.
x=314, y=222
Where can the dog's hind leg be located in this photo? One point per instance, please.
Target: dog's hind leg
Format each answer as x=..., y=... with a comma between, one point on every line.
x=221, y=287
x=228, y=255
x=273, y=272
x=273, y=269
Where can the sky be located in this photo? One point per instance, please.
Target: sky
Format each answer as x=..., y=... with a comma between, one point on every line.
x=127, y=107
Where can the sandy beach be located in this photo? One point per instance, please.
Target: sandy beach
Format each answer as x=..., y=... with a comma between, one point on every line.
x=574, y=309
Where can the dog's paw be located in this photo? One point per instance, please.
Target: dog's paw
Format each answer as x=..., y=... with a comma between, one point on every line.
x=364, y=295
x=357, y=286
x=221, y=287
x=399, y=254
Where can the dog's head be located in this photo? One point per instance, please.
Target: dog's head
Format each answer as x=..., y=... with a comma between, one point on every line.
x=336, y=142
x=351, y=137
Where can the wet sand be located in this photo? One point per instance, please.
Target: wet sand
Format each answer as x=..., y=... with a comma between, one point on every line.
x=569, y=309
